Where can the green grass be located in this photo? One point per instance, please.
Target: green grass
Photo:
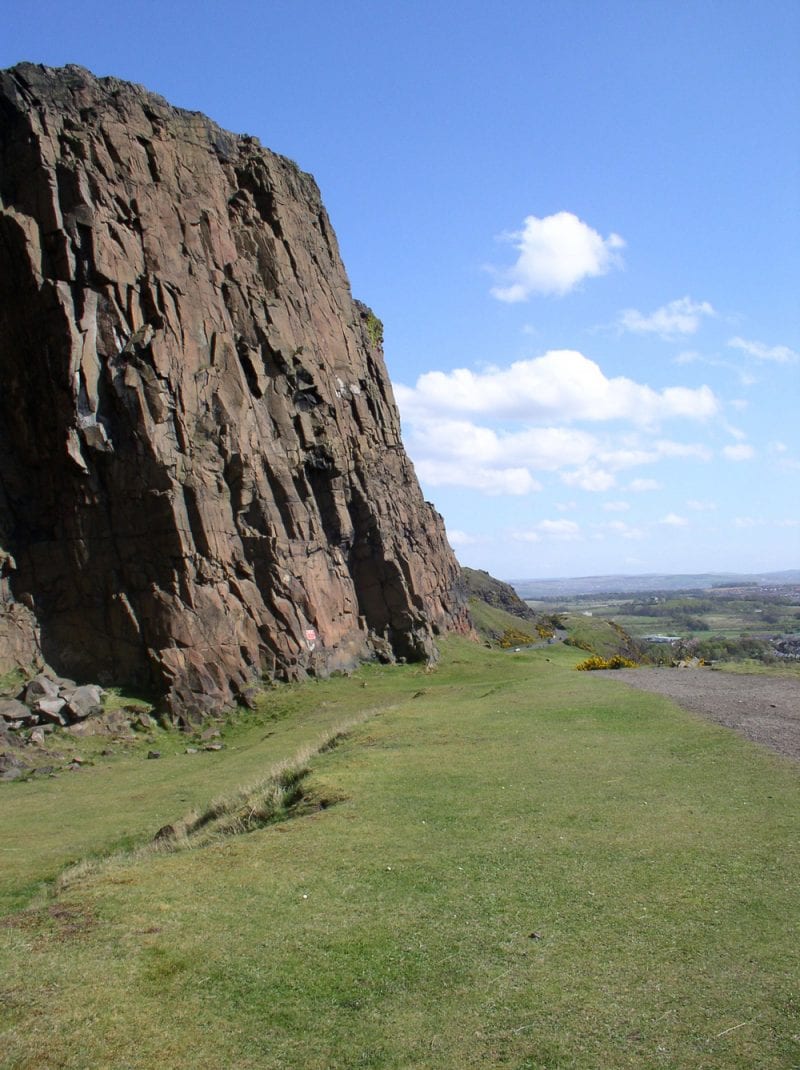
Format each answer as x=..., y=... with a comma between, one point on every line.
x=492, y=622
x=527, y=867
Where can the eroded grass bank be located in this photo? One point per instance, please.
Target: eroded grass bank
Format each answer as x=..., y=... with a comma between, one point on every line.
x=518, y=873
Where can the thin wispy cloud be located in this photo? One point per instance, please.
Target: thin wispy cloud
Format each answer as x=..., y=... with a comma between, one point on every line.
x=557, y=530
x=740, y=452
x=625, y=531
x=680, y=317
x=458, y=538
x=589, y=477
x=776, y=354
x=556, y=253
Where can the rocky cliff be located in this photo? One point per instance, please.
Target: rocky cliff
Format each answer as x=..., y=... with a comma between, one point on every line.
x=201, y=471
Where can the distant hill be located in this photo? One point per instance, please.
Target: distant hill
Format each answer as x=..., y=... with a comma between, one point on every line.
x=655, y=581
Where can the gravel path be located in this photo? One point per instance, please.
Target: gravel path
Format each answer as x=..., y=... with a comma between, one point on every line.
x=765, y=709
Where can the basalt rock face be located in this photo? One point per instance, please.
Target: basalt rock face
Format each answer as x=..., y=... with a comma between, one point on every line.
x=201, y=471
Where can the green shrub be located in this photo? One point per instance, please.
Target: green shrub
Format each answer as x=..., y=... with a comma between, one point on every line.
x=515, y=637
x=374, y=329
x=596, y=662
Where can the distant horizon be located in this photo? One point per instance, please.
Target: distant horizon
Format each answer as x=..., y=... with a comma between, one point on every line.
x=612, y=583
x=645, y=575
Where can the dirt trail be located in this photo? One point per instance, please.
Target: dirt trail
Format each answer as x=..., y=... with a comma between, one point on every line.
x=765, y=709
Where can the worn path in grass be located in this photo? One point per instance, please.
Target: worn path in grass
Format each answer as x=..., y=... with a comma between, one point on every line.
x=120, y=802
x=762, y=708
x=529, y=868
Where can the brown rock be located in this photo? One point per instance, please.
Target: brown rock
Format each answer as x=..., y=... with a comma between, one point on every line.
x=13, y=710
x=51, y=710
x=202, y=472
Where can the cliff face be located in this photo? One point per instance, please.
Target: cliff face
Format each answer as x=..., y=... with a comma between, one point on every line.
x=201, y=471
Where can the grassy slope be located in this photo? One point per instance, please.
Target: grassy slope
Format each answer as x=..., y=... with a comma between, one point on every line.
x=599, y=635
x=492, y=622
x=654, y=856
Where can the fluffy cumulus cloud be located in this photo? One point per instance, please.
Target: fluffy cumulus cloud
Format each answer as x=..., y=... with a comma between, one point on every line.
x=680, y=317
x=776, y=354
x=496, y=430
x=561, y=384
x=436, y=472
x=556, y=253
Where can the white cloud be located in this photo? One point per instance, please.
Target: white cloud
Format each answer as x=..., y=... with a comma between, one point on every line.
x=740, y=452
x=562, y=384
x=682, y=316
x=458, y=538
x=665, y=448
x=639, y=486
x=735, y=432
x=590, y=478
x=700, y=506
x=672, y=520
x=625, y=531
x=777, y=354
x=437, y=473
x=541, y=448
x=760, y=522
x=616, y=507
x=778, y=447
x=566, y=507
x=556, y=252
x=688, y=356
x=526, y=536
x=559, y=530
x=740, y=404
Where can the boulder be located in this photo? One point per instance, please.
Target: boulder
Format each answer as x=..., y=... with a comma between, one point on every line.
x=40, y=687
x=12, y=710
x=83, y=702
x=52, y=710
x=11, y=766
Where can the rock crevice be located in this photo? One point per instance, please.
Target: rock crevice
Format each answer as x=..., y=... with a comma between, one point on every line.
x=202, y=472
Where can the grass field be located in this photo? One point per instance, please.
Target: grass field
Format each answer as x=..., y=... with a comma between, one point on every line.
x=518, y=866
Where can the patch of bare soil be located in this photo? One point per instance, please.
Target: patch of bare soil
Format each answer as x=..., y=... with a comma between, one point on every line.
x=765, y=709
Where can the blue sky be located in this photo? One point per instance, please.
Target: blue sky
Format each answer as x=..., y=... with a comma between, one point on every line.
x=579, y=223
